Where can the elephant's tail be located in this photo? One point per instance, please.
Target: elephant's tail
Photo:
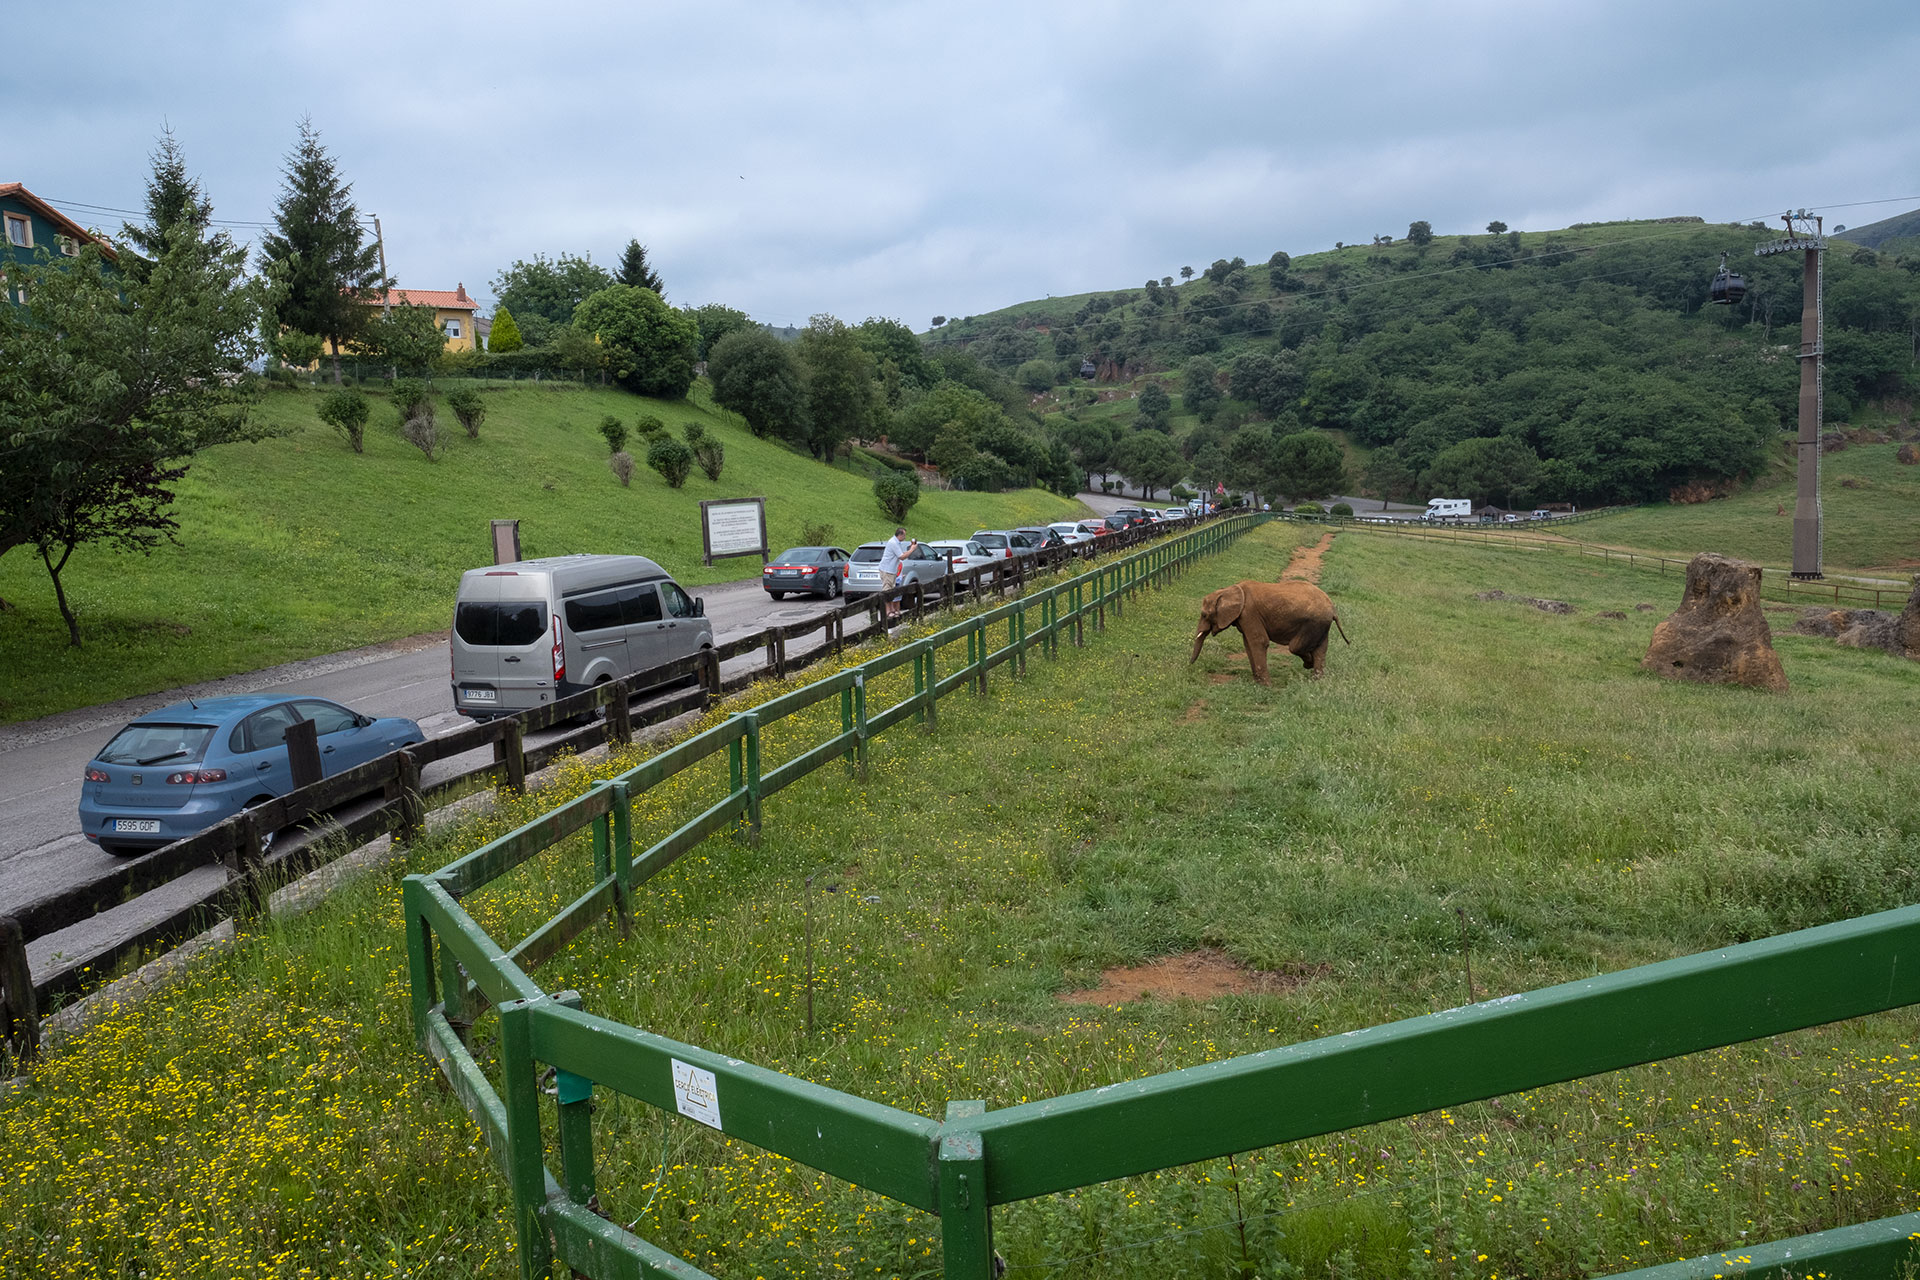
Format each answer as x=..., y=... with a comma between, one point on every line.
x=1341, y=629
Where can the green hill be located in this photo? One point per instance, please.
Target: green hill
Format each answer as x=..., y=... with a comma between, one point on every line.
x=296, y=546
x=1877, y=235
x=1582, y=364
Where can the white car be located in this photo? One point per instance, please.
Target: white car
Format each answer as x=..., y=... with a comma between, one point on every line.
x=1078, y=540
x=1175, y=513
x=962, y=553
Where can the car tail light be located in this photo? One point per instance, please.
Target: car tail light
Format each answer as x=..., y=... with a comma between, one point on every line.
x=97, y=775
x=806, y=568
x=559, y=653
x=187, y=777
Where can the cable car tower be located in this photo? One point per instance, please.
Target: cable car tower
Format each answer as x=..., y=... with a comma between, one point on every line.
x=1804, y=236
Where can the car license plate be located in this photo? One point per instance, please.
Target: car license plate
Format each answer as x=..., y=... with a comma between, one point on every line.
x=479, y=695
x=138, y=826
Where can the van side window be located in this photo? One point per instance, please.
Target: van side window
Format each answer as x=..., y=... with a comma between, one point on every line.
x=513, y=624
x=678, y=602
x=596, y=612
x=640, y=604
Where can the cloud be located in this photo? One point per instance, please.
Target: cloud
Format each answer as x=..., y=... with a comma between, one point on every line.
x=907, y=159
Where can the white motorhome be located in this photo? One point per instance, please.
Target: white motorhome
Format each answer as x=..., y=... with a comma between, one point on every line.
x=529, y=633
x=1449, y=509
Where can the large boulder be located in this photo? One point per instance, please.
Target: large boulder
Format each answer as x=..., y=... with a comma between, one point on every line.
x=1718, y=635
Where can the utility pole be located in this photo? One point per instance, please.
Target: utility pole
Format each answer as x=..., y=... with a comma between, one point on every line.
x=1804, y=236
x=386, y=306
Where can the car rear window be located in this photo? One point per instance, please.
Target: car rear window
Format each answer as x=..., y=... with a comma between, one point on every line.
x=991, y=541
x=798, y=555
x=506, y=624
x=867, y=555
x=158, y=744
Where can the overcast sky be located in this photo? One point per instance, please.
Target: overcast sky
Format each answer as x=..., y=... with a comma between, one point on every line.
x=908, y=160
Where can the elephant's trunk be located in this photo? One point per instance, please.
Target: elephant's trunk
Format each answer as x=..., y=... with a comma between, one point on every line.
x=1199, y=638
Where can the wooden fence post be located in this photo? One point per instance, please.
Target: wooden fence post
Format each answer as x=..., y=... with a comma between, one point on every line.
x=509, y=752
x=412, y=809
x=19, y=1017
x=620, y=712
x=242, y=859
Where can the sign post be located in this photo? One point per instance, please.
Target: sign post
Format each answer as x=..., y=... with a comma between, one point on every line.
x=733, y=527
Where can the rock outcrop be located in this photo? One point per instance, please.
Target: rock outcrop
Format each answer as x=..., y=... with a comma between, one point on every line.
x=1718, y=635
x=1897, y=633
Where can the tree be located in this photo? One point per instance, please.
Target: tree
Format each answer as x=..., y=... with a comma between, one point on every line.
x=759, y=377
x=1497, y=228
x=177, y=209
x=323, y=269
x=714, y=322
x=346, y=411
x=1421, y=233
x=672, y=459
x=1149, y=460
x=708, y=452
x=949, y=407
x=938, y=321
x=891, y=343
x=1199, y=391
x=468, y=406
x=635, y=271
x=1154, y=406
x=1496, y=469
x=1387, y=473
x=1089, y=444
x=897, y=492
x=841, y=404
x=1035, y=375
x=648, y=345
x=1307, y=464
x=505, y=335
x=113, y=380
x=405, y=337
x=1186, y=273
x=542, y=292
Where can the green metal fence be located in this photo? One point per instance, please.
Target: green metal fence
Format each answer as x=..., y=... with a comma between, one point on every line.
x=962, y=1165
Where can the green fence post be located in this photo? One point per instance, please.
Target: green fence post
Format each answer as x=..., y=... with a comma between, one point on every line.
x=1100, y=597
x=933, y=692
x=527, y=1175
x=574, y=1095
x=453, y=994
x=602, y=843
x=413, y=896
x=1017, y=636
x=860, y=722
x=1075, y=602
x=753, y=775
x=846, y=726
x=622, y=856
x=966, y=1220
x=920, y=687
x=980, y=659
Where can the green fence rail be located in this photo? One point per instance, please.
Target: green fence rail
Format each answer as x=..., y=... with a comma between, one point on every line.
x=972, y=1159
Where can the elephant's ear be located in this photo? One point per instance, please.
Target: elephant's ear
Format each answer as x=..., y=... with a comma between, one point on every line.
x=1227, y=612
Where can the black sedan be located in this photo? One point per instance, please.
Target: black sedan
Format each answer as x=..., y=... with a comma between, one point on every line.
x=820, y=571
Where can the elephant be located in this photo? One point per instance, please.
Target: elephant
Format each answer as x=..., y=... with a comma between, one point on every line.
x=1295, y=614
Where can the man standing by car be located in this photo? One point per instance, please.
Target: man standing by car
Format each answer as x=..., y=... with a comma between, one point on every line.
x=898, y=547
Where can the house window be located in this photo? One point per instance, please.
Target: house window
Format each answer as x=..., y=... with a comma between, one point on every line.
x=68, y=246
x=451, y=328
x=19, y=231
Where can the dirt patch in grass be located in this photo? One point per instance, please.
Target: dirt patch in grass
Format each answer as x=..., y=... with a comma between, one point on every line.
x=1191, y=975
x=1195, y=713
x=1305, y=564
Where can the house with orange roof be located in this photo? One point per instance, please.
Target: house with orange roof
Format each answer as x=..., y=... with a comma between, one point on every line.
x=454, y=312
x=31, y=224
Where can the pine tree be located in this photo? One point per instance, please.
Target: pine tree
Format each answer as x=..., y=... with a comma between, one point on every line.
x=635, y=271
x=178, y=211
x=323, y=269
x=505, y=335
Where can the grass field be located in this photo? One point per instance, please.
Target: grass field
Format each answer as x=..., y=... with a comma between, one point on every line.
x=1464, y=759
x=1870, y=507
x=296, y=546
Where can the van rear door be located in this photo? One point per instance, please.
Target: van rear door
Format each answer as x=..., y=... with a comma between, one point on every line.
x=503, y=642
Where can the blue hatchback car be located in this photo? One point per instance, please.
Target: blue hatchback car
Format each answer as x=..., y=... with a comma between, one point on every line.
x=183, y=768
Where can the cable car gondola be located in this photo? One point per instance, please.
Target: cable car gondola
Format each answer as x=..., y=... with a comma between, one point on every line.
x=1727, y=288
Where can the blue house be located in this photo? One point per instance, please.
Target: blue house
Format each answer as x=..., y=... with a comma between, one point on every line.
x=30, y=225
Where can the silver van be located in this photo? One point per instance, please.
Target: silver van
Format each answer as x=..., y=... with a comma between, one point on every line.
x=532, y=632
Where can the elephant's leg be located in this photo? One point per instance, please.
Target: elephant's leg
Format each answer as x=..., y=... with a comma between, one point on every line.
x=1257, y=659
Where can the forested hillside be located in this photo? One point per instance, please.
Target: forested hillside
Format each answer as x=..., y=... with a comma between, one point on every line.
x=1582, y=365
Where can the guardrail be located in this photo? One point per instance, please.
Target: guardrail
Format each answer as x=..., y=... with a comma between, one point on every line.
x=400, y=803
x=963, y=1165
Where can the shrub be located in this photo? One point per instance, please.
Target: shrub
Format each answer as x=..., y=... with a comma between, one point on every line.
x=614, y=432
x=469, y=408
x=421, y=431
x=347, y=412
x=649, y=427
x=707, y=451
x=896, y=493
x=505, y=336
x=409, y=394
x=1340, y=509
x=1311, y=509
x=816, y=535
x=621, y=464
x=1180, y=493
x=298, y=350
x=671, y=459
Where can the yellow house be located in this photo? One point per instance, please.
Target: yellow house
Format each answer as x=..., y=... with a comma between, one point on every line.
x=453, y=312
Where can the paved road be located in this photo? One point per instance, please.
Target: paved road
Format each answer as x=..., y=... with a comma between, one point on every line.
x=41, y=849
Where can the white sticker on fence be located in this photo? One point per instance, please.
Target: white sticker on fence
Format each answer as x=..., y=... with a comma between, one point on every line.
x=696, y=1093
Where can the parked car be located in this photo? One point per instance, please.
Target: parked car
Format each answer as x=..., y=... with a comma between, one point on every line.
x=1134, y=516
x=1118, y=523
x=1006, y=544
x=961, y=554
x=820, y=571
x=179, y=770
x=1096, y=528
x=532, y=632
x=1542, y=513
x=1075, y=534
x=1043, y=537
x=920, y=565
